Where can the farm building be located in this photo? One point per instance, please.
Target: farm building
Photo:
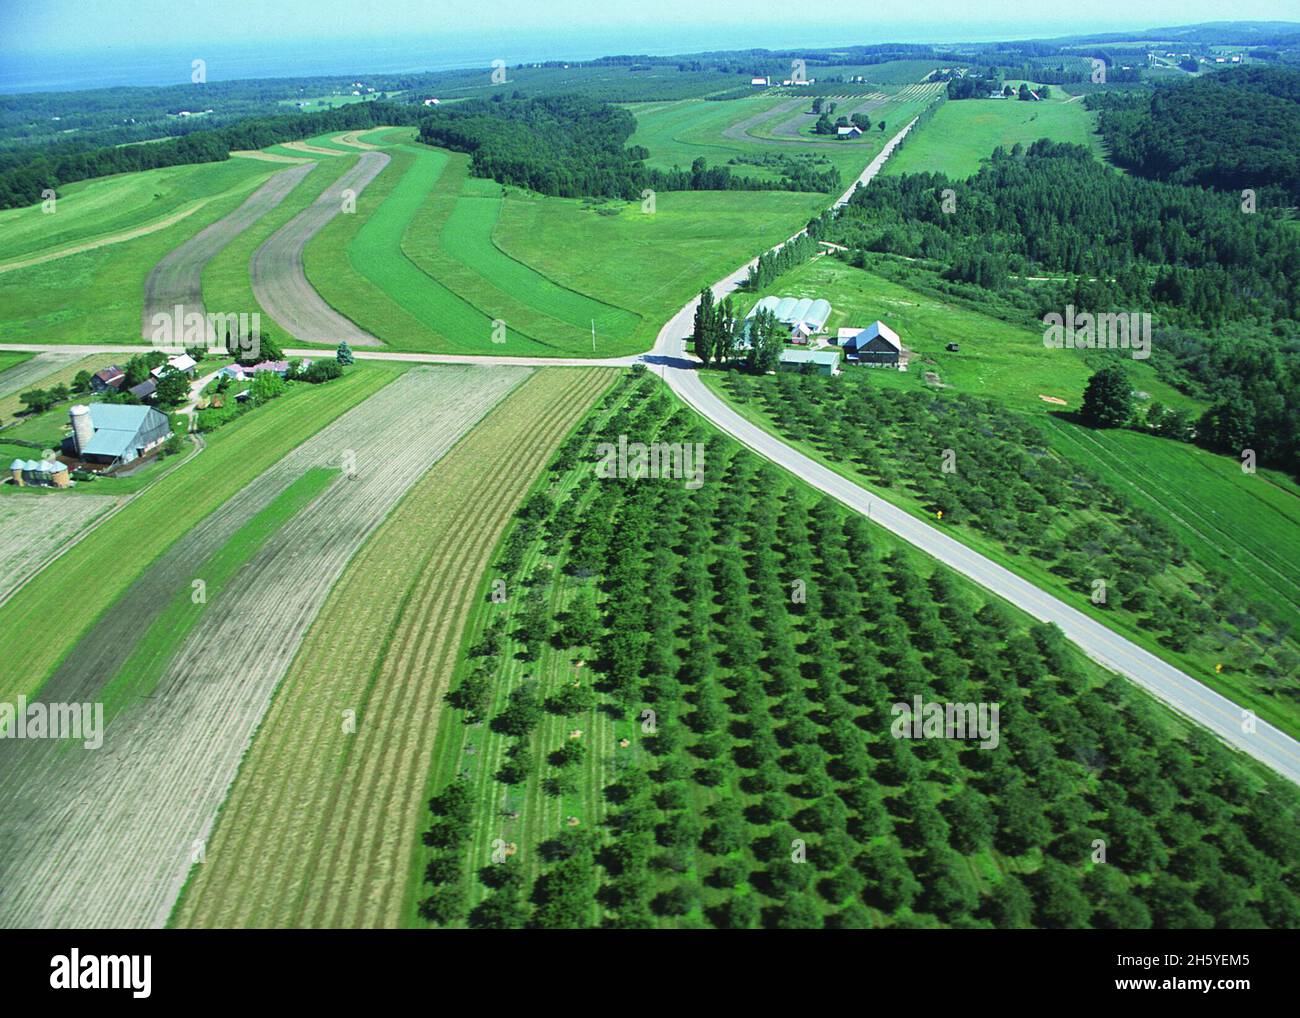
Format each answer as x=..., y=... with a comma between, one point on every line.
x=46, y=473
x=243, y=373
x=803, y=315
x=824, y=362
x=764, y=82
x=852, y=131
x=110, y=377
x=183, y=363
x=113, y=434
x=877, y=345
x=144, y=391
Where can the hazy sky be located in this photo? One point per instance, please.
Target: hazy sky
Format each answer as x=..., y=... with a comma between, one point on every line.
x=81, y=25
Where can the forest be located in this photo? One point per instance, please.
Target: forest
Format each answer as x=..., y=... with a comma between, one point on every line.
x=1223, y=286
x=753, y=778
x=1231, y=130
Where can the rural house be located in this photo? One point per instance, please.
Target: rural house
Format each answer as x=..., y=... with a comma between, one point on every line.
x=183, y=363
x=144, y=391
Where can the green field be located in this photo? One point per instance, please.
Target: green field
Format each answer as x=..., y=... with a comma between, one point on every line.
x=97, y=295
x=1209, y=496
x=964, y=132
x=104, y=206
x=649, y=263
x=677, y=133
x=102, y=565
x=358, y=266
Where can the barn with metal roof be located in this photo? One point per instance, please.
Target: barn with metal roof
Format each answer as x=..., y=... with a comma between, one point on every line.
x=113, y=434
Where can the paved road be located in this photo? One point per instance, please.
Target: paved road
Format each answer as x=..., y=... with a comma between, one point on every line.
x=1180, y=691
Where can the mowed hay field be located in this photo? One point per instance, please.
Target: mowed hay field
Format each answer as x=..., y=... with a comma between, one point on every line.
x=91, y=210
x=227, y=283
x=40, y=371
x=96, y=295
x=34, y=527
x=963, y=133
x=92, y=575
x=1209, y=495
x=175, y=748
x=418, y=266
x=320, y=826
x=649, y=263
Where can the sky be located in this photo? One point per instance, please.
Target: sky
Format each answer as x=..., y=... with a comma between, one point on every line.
x=82, y=24
x=154, y=41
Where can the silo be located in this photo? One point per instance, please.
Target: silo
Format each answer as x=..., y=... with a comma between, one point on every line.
x=82, y=430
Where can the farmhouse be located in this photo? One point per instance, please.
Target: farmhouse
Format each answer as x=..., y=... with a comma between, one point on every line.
x=804, y=317
x=110, y=377
x=852, y=131
x=822, y=362
x=244, y=373
x=112, y=434
x=183, y=363
x=877, y=345
x=48, y=473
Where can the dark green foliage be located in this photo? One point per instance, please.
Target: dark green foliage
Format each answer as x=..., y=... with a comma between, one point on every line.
x=772, y=792
x=1232, y=130
x=1108, y=399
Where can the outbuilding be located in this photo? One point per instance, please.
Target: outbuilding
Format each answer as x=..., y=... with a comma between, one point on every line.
x=822, y=362
x=876, y=346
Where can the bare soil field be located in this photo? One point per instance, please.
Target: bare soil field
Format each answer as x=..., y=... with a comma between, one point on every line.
x=34, y=527
x=177, y=279
x=168, y=759
x=278, y=278
x=383, y=647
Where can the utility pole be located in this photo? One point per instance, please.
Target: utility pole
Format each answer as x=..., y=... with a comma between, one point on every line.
x=593, y=335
